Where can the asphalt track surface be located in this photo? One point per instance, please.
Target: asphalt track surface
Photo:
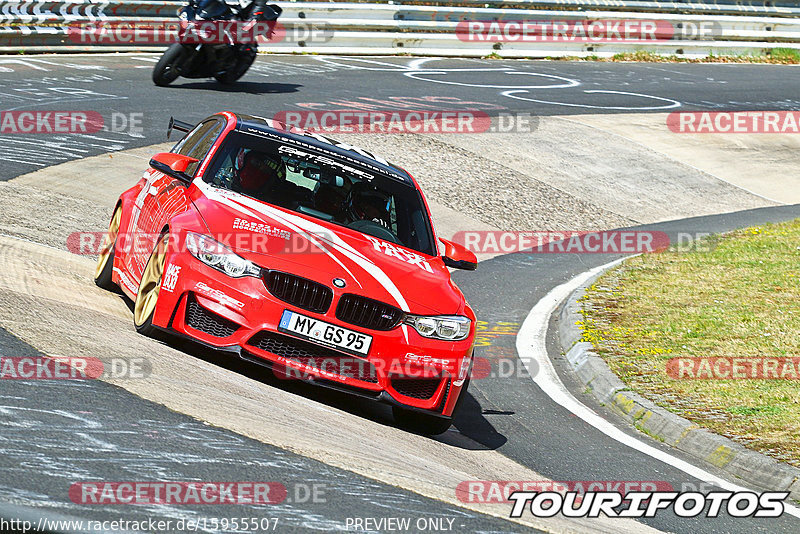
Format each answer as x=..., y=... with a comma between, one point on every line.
x=526, y=425
x=121, y=84
x=52, y=436
x=47, y=443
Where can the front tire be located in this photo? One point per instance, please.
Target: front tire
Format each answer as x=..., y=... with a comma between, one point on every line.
x=420, y=423
x=243, y=62
x=149, y=288
x=429, y=425
x=168, y=68
x=105, y=260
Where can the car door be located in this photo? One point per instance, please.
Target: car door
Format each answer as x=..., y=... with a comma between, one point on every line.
x=172, y=197
x=162, y=196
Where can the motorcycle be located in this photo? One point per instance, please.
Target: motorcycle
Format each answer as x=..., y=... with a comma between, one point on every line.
x=216, y=40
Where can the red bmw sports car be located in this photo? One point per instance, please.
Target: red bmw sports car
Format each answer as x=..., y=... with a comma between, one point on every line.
x=312, y=257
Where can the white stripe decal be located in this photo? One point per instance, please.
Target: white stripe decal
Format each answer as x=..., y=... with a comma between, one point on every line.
x=319, y=231
x=235, y=204
x=356, y=257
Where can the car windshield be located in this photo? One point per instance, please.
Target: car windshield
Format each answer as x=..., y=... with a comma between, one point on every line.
x=324, y=186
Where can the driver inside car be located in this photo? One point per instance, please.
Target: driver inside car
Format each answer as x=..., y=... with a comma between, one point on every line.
x=263, y=177
x=367, y=203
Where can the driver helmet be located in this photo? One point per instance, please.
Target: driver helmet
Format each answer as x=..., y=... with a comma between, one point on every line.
x=366, y=202
x=258, y=172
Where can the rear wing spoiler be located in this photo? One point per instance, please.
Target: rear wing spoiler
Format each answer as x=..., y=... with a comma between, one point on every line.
x=178, y=125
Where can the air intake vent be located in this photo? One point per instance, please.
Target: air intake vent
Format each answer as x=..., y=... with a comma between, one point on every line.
x=367, y=313
x=206, y=321
x=416, y=388
x=300, y=292
x=315, y=356
x=446, y=394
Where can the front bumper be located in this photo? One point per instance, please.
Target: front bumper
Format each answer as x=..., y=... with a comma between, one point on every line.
x=240, y=315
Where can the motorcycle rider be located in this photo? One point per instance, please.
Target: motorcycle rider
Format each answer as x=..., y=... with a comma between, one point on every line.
x=225, y=51
x=261, y=11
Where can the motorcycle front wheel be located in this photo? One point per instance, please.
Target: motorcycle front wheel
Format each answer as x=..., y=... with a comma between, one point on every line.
x=169, y=66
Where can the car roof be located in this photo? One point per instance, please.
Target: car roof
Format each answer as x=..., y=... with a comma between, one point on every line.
x=276, y=130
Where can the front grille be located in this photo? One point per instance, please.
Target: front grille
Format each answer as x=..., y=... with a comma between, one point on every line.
x=416, y=388
x=368, y=313
x=207, y=321
x=315, y=356
x=300, y=292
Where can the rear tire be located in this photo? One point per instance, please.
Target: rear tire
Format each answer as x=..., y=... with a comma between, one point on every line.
x=105, y=260
x=168, y=68
x=420, y=423
x=149, y=288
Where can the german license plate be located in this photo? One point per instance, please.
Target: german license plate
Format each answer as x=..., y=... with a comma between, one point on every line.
x=325, y=333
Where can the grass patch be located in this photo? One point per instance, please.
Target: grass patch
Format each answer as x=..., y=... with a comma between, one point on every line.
x=781, y=56
x=643, y=430
x=785, y=55
x=740, y=298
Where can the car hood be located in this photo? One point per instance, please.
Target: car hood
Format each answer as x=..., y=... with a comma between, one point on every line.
x=280, y=239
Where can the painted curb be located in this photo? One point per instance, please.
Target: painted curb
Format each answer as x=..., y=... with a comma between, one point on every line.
x=751, y=467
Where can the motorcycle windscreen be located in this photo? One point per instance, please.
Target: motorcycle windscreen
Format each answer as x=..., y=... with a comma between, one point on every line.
x=213, y=10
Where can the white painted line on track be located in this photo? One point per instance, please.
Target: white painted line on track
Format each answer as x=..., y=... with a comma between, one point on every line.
x=23, y=62
x=343, y=61
x=672, y=103
x=567, y=82
x=417, y=69
x=532, y=350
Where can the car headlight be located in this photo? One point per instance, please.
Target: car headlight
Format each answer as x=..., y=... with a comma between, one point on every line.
x=216, y=255
x=447, y=327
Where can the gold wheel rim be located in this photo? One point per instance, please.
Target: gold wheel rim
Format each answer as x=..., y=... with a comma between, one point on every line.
x=150, y=285
x=108, y=242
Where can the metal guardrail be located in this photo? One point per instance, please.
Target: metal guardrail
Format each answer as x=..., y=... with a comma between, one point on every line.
x=720, y=7
x=373, y=28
